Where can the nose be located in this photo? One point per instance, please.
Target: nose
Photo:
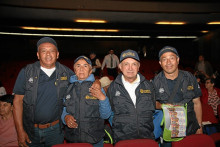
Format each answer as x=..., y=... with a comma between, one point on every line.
x=168, y=61
x=48, y=53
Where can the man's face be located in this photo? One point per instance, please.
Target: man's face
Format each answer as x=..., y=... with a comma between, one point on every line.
x=169, y=62
x=129, y=68
x=5, y=109
x=82, y=69
x=48, y=55
x=111, y=52
x=201, y=58
x=92, y=56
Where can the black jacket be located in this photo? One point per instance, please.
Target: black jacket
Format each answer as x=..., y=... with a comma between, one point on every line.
x=187, y=93
x=32, y=72
x=130, y=122
x=85, y=109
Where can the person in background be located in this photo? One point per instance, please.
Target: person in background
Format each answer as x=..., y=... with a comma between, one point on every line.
x=105, y=83
x=2, y=89
x=85, y=108
x=132, y=98
x=203, y=68
x=8, y=135
x=111, y=62
x=211, y=94
x=96, y=65
x=188, y=92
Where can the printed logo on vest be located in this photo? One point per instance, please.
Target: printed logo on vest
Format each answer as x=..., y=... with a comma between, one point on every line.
x=145, y=91
x=117, y=93
x=63, y=78
x=31, y=80
x=88, y=97
x=190, y=88
x=68, y=97
x=161, y=90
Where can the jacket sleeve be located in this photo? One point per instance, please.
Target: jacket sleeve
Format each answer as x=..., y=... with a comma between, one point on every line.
x=104, y=108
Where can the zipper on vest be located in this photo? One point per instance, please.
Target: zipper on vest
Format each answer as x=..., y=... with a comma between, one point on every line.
x=80, y=133
x=137, y=121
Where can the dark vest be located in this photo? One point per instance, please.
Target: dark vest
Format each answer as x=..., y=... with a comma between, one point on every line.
x=188, y=94
x=85, y=109
x=32, y=72
x=130, y=122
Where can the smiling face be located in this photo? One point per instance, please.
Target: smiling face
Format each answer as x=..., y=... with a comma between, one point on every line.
x=5, y=109
x=48, y=55
x=129, y=68
x=82, y=69
x=169, y=62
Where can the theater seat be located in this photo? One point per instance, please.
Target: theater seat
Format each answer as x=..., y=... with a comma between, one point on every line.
x=195, y=140
x=216, y=138
x=137, y=143
x=108, y=145
x=73, y=145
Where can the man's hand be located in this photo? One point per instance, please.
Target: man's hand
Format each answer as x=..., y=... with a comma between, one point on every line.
x=23, y=138
x=96, y=84
x=96, y=92
x=70, y=121
x=199, y=131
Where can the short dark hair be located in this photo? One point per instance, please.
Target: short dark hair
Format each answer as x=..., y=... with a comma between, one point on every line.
x=7, y=98
x=212, y=80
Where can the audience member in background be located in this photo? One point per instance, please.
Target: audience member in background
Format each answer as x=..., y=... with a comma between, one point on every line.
x=8, y=135
x=111, y=61
x=2, y=89
x=188, y=91
x=132, y=100
x=96, y=65
x=105, y=83
x=38, y=102
x=203, y=68
x=211, y=94
x=85, y=108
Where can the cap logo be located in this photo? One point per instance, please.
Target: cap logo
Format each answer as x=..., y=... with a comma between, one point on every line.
x=168, y=48
x=128, y=54
x=85, y=57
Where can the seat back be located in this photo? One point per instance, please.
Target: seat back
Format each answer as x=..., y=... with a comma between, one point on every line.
x=195, y=140
x=137, y=143
x=73, y=145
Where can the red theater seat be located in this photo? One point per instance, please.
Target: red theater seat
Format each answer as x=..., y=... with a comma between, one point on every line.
x=196, y=140
x=73, y=145
x=137, y=143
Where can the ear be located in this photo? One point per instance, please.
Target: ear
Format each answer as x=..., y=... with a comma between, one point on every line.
x=58, y=53
x=178, y=59
x=160, y=63
x=119, y=66
x=38, y=56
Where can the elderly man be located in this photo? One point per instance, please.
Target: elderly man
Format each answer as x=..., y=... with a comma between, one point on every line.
x=85, y=108
x=132, y=100
x=188, y=91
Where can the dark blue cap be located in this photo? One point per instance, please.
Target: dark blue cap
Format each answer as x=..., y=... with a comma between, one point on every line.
x=85, y=58
x=47, y=40
x=167, y=49
x=129, y=54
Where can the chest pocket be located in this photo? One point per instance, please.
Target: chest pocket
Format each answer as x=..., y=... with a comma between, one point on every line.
x=188, y=92
x=92, y=108
x=122, y=105
x=145, y=102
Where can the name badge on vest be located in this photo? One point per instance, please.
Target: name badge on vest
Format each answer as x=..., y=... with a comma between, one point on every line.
x=63, y=78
